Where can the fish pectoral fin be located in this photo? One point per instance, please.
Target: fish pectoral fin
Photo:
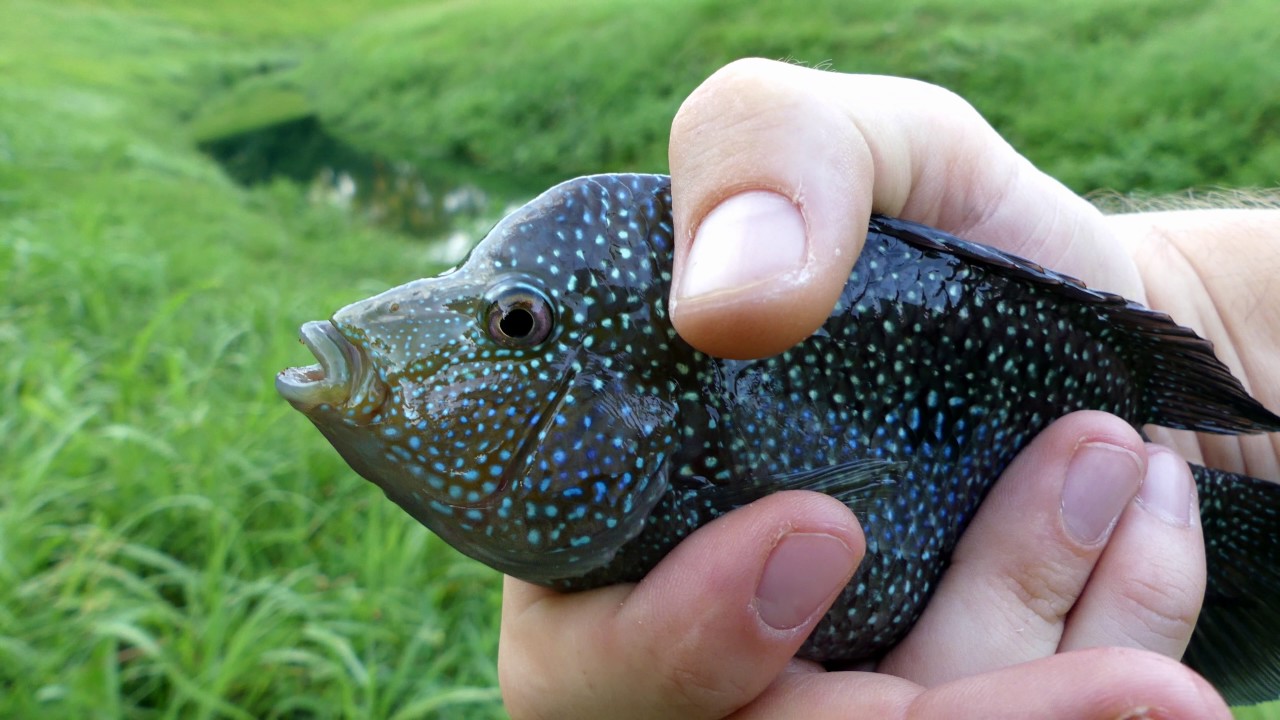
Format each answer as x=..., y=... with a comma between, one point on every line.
x=845, y=482
x=1236, y=645
x=848, y=482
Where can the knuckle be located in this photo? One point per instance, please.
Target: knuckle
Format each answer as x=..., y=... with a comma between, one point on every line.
x=1047, y=589
x=741, y=92
x=695, y=680
x=949, y=103
x=741, y=71
x=1162, y=608
x=693, y=688
x=948, y=110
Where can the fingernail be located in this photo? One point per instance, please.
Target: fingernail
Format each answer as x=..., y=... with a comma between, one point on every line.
x=1101, y=480
x=1167, y=489
x=802, y=572
x=746, y=239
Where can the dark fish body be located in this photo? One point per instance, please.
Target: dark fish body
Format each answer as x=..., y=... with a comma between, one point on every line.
x=535, y=408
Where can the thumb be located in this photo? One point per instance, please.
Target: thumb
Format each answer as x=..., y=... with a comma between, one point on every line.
x=775, y=170
x=768, y=220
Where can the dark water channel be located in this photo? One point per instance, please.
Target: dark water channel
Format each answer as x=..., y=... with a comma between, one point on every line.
x=393, y=194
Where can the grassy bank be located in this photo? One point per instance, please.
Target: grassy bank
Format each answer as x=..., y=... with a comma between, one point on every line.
x=1155, y=95
x=174, y=541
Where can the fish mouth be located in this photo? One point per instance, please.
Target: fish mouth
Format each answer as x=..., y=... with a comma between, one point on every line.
x=342, y=377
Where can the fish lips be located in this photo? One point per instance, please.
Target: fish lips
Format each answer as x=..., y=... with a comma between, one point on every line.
x=342, y=376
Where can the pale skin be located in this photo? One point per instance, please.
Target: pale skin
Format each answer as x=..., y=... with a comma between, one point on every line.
x=1077, y=585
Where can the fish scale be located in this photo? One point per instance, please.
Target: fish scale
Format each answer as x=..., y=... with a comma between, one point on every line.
x=536, y=409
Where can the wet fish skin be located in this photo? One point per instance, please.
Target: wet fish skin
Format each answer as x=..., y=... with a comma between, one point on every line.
x=536, y=409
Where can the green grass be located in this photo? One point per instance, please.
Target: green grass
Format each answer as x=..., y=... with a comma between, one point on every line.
x=1154, y=95
x=174, y=540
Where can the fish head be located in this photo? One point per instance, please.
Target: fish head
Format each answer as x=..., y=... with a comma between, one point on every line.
x=519, y=405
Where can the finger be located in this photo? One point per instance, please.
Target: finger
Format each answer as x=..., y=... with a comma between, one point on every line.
x=787, y=170
x=708, y=629
x=1028, y=554
x=1103, y=683
x=1147, y=588
x=776, y=169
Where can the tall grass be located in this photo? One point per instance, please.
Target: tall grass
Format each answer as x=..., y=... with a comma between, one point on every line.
x=174, y=541
x=1154, y=95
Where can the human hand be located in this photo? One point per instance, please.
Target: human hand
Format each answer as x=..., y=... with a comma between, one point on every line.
x=689, y=640
x=1013, y=630
x=838, y=147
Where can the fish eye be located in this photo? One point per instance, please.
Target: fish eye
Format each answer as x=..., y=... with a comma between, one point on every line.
x=519, y=316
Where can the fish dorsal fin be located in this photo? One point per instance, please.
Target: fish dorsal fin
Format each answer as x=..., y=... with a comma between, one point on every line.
x=847, y=482
x=1184, y=384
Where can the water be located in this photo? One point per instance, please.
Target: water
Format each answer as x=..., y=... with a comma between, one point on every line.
x=393, y=194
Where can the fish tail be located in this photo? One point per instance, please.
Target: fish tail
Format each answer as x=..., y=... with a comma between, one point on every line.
x=1236, y=645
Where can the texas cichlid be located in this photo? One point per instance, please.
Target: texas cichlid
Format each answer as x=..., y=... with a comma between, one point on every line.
x=536, y=409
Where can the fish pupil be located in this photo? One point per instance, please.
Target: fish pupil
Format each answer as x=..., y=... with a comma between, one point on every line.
x=517, y=323
x=519, y=316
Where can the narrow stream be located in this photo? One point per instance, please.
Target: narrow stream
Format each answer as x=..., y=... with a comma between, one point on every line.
x=393, y=194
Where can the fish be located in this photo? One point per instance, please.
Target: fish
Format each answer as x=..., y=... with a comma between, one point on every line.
x=535, y=408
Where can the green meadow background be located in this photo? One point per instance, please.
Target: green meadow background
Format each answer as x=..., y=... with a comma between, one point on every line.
x=175, y=542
